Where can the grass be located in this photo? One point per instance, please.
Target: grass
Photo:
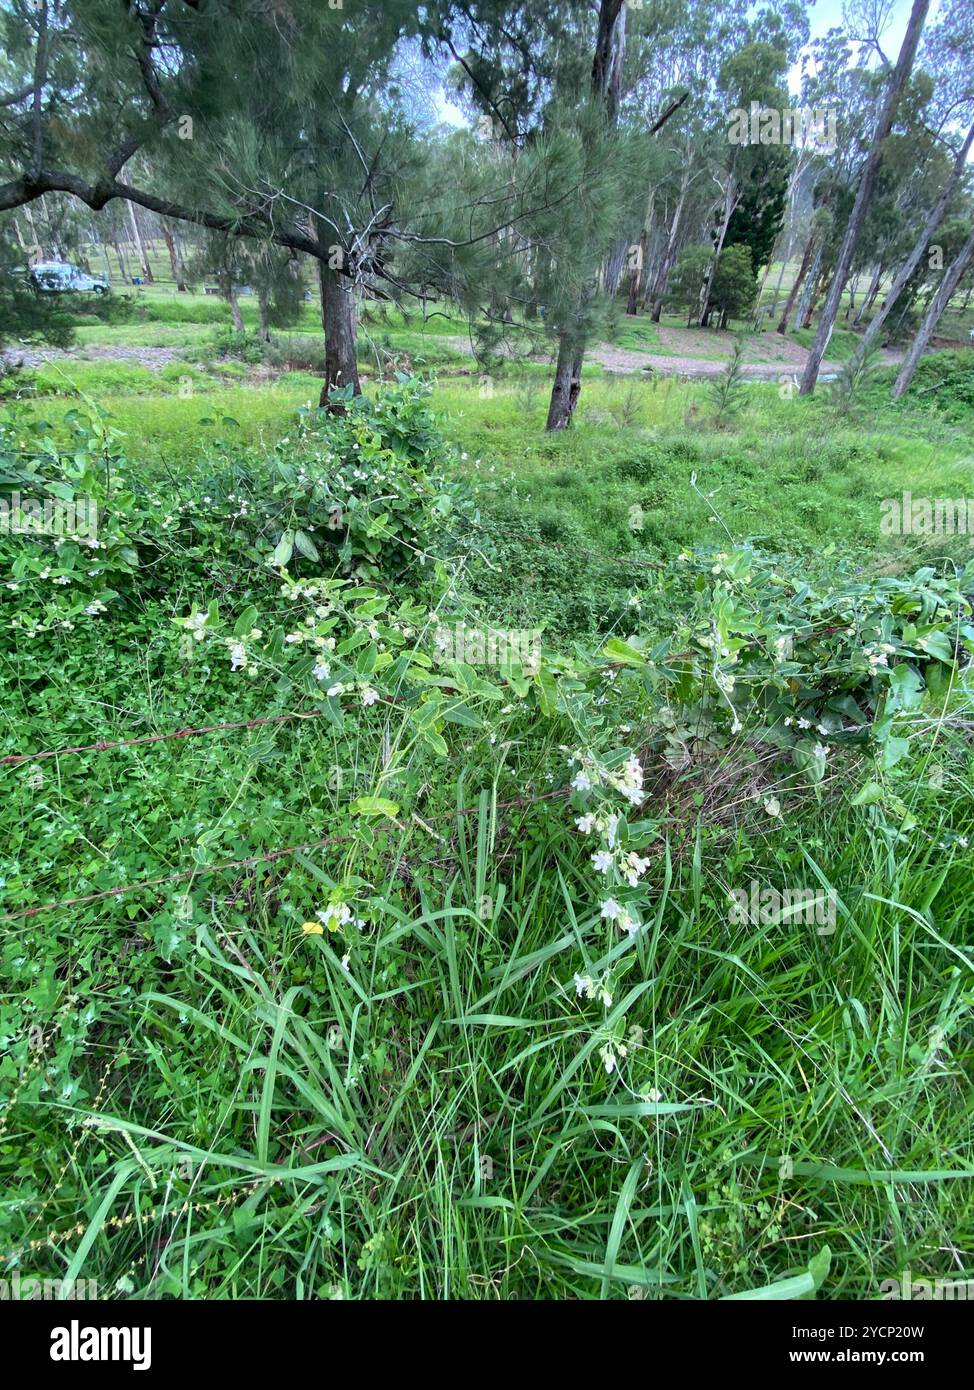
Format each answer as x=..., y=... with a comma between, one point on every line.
x=842, y=343
x=247, y=1116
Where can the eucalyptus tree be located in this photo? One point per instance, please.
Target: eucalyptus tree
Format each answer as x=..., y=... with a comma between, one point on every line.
x=947, y=59
x=894, y=89
x=948, y=284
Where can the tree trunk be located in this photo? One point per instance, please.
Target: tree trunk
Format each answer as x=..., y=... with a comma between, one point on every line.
x=913, y=260
x=937, y=306
x=871, y=293
x=568, y=383
x=612, y=268
x=178, y=274
x=777, y=288
x=103, y=249
x=263, y=312
x=609, y=53
x=669, y=255
x=813, y=302
x=137, y=236
x=901, y=75
x=338, y=322
x=789, y=246
x=636, y=275
x=121, y=261
x=36, y=250
x=762, y=287
x=730, y=202
x=235, y=313
x=808, y=288
x=655, y=259
x=607, y=66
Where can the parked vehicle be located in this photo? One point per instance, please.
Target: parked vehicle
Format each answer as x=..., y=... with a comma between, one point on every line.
x=61, y=276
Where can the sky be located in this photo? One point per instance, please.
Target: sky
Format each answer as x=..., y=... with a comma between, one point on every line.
x=824, y=15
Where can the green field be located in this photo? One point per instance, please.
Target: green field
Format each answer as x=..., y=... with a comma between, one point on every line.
x=206, y=1099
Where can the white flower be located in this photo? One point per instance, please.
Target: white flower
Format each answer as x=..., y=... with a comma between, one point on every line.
x=369, y=696
x=335, y=915
x=586, y=987
x=321, y=672
x=820, y=750
x=633, y=868
x=582, y=782
x=611, y=909
x=628, y=924
x=612, y=1053
x=335, y=689
x=603, y=861
x=586, y=824
x=630, y=781
x=238, y=656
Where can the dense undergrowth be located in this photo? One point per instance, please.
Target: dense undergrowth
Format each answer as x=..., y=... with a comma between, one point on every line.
x=440, y=986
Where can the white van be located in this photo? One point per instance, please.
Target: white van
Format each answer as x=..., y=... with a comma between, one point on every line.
x=62, y=276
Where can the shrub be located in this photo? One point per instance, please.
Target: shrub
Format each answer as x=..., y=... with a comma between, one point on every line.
x=103, y=308
x=227, y=342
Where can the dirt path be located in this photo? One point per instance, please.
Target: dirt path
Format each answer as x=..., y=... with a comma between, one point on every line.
x=692, y=352
x=623, y=362
x=778, y=358
x=155, y=358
